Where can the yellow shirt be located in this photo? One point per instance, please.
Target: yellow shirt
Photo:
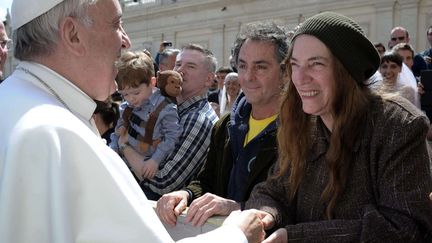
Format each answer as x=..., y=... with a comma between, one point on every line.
x=256, y=126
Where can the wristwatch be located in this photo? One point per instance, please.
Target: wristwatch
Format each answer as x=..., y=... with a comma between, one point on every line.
x=123, y=146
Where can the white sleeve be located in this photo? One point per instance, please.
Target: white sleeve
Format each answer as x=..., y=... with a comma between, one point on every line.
x=65, y=185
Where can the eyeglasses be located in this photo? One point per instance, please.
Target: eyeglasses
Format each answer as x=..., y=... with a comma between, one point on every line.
x=6, y=43
x=401, y=38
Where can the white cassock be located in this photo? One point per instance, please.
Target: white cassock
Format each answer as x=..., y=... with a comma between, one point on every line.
x=59, y=182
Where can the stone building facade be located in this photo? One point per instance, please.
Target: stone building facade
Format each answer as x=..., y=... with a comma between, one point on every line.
x=215, y=23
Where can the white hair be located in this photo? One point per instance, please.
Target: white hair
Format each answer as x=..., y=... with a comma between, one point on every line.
x=39, y=36
x=224, y=99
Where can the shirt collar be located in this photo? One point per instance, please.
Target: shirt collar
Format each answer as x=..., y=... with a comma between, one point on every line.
x=78, y=102
x=187, y=103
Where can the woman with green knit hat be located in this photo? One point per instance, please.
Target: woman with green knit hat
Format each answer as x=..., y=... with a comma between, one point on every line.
x=353, y=166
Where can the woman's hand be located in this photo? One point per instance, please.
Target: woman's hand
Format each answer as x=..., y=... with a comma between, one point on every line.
x=279, y=236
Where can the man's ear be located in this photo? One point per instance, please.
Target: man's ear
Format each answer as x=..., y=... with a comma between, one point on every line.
x=209, y=80
x=70, y=36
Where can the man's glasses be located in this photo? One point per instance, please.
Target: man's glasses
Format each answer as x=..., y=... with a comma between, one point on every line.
x=6, y=44
x=401, y=38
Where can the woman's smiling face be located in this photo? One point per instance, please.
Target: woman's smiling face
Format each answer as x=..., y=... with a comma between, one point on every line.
x=312, y=75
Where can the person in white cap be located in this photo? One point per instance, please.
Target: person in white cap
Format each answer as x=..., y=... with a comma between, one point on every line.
x=58, y=181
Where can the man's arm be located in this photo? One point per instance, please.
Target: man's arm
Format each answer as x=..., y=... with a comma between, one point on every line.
x=208, y=177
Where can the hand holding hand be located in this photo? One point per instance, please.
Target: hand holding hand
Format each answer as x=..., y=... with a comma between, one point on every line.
x=279, y=236
x=267, y=219
x=208, y=205
x=171, y=205
x=249, y=221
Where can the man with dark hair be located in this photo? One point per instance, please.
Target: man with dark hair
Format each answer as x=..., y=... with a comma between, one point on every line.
x=243, y=143
x=215, y=96
x=427, y=54
x=407, y=52
x=380, y=48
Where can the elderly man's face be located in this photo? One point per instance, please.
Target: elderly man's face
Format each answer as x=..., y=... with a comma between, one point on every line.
x=3, y=48
x=103, y=41
x=232, y=87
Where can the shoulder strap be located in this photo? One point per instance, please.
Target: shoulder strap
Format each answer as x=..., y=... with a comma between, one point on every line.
x=148, y=136
x=126, y=116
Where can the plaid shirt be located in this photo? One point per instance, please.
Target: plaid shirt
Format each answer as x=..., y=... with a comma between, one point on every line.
x=197, y=118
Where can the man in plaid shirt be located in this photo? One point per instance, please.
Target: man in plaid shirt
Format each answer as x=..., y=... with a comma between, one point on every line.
x=197, y=66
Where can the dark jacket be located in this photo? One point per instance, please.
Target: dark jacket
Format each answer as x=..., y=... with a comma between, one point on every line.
x=386, y=195
x=428, y=52
x=419, y=64
x=215, y=174
x=213, y=96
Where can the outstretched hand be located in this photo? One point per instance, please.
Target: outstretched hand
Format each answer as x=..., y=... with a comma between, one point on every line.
x=208, y=205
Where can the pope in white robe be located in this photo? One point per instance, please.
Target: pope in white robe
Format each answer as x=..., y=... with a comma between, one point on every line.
x=59, y=182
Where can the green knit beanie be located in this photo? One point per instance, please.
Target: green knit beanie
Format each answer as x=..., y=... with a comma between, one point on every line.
x=346, y=41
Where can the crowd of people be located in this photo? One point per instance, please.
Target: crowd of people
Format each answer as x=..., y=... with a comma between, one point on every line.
x=313, y=135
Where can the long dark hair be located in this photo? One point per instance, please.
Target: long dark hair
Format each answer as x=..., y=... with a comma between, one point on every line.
x=349, y=107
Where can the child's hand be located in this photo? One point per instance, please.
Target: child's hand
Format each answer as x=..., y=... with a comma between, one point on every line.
x=123, y=139
x=149, y=169
x=120, y=131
